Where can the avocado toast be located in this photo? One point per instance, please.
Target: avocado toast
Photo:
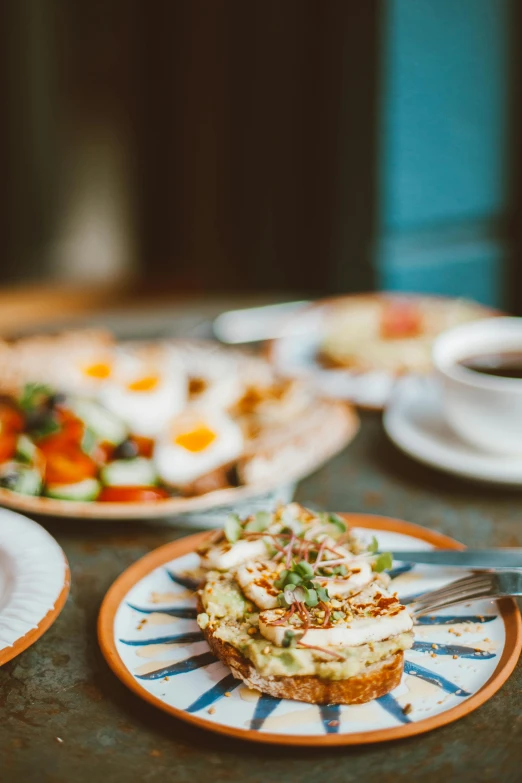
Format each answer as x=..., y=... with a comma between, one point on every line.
x=298, y=607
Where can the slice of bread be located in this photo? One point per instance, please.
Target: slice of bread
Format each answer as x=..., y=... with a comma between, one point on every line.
x=377, y=680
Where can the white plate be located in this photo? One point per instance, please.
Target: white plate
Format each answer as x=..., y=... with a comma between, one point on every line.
x=415, y=422
x=149, y=636
x=296, y=355
x=34, y=582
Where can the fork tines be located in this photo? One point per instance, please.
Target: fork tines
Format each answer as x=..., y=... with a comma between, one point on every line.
x=471, y=587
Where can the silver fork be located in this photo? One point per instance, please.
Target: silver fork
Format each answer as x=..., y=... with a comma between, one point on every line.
x=486, y=584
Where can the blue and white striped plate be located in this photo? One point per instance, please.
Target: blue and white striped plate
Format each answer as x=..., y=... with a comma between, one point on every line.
x=149, y=636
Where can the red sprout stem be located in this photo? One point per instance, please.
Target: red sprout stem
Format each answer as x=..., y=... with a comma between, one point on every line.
x=320, y=552
x=287, y=615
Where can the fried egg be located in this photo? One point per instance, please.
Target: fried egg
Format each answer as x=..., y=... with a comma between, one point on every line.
x=213, y=383
x=145, y=394
x=87, y=375
x=197, y=443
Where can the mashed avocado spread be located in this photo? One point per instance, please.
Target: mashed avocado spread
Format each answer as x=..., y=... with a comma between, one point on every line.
x=234, y=619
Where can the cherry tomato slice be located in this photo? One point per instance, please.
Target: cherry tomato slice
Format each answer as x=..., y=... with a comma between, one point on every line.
x=11, y=420
x=401, y=320
x=73, y=428
x=67, y=440
x=7, y=445
x=104, y=453
x=68, y=467
x=144, y=445
x=132, y=494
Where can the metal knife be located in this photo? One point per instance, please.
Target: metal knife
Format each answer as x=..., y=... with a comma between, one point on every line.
x=465, y=558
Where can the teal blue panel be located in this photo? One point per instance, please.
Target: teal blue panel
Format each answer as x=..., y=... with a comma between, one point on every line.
x=444, y=110
x=473, y=274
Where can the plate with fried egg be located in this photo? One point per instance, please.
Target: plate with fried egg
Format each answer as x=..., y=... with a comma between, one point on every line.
x=95, y=428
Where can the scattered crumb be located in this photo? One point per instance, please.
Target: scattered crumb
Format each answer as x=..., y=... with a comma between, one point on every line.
x=488, y=641
x=227, y=693
x=455, y=656
x=407, y=709
x=433, y=655
x=59, y=739
x=211, y=710
x=166, y=679
x=435, y=646
x=251, y=631
x=333, y=723
x=155, y=753
x=481, y=618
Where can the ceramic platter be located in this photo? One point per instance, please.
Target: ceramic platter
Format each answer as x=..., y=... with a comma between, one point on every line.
x=34, y=583
x=415, y=422
x=149, y=637
x=314, y=441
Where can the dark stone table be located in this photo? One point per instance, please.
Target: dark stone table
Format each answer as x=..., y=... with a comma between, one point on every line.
x=61, y=687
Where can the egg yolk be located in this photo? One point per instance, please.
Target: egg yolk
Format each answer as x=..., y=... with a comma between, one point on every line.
x=144, y=384
x=195, y=440
x=100, y=370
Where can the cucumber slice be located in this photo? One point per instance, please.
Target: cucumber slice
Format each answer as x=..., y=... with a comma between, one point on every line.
x=88, y=489
x=26, y=450
x=105, y=426
x=139, y=472
x=22, y=478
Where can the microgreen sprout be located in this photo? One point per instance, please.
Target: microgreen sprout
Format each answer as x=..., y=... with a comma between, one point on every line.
x=383, y=562
x=259, y=523
x=233, y=528
x=297, y=584
x=328, y=518
x=373, y=546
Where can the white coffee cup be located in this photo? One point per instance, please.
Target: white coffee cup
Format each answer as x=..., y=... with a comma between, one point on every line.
x=483, y=409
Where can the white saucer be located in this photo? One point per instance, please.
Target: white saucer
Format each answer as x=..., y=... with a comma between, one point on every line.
x=34, y=582
x=415, y=423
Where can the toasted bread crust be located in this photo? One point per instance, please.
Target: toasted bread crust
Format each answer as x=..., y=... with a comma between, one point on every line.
x=379, y=679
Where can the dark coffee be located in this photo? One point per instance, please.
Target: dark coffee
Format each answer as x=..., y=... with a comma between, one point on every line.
x=506, y=364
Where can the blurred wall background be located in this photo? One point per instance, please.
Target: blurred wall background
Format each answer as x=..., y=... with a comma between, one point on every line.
x=300, y=146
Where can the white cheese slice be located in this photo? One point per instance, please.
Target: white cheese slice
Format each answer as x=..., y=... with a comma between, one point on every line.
x=359, y=575
x=224, y=556
x=381, y=622
x=361, y=630
x=256, y=579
